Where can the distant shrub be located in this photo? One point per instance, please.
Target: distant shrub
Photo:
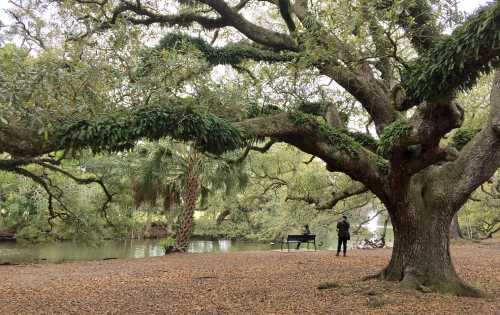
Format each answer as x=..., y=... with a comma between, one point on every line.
x=167, y=243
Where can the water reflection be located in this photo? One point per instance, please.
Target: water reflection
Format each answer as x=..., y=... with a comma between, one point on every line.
x=201, y=247
x=224, y=245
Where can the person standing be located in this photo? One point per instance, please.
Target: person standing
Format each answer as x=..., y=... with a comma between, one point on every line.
x=343, y=234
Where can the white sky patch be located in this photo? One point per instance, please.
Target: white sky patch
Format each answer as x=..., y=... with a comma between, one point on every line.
x=470, y=5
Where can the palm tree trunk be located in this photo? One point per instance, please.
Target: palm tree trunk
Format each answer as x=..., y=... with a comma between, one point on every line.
x=190, y=196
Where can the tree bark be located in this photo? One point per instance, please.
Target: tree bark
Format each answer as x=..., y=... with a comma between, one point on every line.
x=455, y=231
x=421, y=254
x=190, y=196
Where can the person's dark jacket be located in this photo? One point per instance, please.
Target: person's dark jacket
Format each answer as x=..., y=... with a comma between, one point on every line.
x=306, y=231
x=343, y=229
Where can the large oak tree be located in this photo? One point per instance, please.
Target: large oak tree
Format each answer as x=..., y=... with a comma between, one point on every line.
x=394, y=57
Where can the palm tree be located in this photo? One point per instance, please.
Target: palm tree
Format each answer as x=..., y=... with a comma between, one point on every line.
x=190, y=196
x=151, y=182
x=182, y=177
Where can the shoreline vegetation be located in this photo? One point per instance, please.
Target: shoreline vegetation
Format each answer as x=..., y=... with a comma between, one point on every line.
x=251, y=282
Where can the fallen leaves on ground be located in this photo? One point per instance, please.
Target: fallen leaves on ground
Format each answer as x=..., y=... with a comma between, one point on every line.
x=242, y=283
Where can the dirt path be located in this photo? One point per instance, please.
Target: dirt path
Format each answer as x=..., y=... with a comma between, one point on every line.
x=239, y=283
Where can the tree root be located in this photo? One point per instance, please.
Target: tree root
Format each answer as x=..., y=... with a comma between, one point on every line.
x=377, y=276
x=173, y=249
x=414, y=280
x=439, y=284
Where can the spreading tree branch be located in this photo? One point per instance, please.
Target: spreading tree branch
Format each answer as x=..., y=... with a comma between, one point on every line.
x=370, y=218
x=418, y=20
x=480, y=158
x=352, y=190
x=16, y=166
x=256, y=33
x=286, y=14
x=232, y=54
x=456, y=61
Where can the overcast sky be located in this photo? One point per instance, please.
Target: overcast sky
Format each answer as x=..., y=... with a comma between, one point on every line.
x=467, y=5
x=471, y=5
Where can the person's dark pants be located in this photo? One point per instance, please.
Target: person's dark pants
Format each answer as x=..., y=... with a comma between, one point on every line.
x=298, y=245
x=342, y=242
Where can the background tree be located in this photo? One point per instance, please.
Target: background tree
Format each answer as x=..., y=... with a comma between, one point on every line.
x=286, y=190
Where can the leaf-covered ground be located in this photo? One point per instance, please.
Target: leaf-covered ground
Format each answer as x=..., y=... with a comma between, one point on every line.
x=241, y=283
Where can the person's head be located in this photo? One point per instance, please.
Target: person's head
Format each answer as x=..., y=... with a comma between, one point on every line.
x=306, y=226
x=344, y=218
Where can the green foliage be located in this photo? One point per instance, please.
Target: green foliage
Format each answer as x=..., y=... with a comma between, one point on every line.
x=457, y=61
x=475, y=103
x=382, y=165
x=363, y=139
x=50, y=87
x=336, y=137
x=31, y=233
x=116, y=133
x=167, y=243
x=480, y=217
x=231, y=54
x=21, y=202
x=391, y=133
x=263, y=213
x=462, y=136
x=255, y=110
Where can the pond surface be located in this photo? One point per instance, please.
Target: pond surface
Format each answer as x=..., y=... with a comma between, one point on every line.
x=65, y=251
x=12, y=252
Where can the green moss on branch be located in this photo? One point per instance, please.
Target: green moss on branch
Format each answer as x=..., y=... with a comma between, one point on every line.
x=463, y=136
x=364, y=139
x=255, y=110
x=394, y=131
x=231, y=54
x=116, y=133
x=455, y=62
x=338, y=138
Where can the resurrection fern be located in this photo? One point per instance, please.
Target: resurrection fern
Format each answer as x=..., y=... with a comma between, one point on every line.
x=231, y=54
x=382, y=165
x=462, y=136
x=364, y=139
x=391, y=133
x=255, y=110
x=456, y=61
x=302, y=119
x=116, y=133
x=338, y=138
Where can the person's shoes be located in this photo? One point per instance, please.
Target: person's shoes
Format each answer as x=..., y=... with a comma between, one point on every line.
x=337, y=254
x=344, y=254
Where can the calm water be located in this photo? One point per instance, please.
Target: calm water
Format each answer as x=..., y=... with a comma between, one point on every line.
x=65, y=251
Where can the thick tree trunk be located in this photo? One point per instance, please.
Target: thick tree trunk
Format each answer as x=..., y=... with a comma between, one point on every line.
x=421, y=254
